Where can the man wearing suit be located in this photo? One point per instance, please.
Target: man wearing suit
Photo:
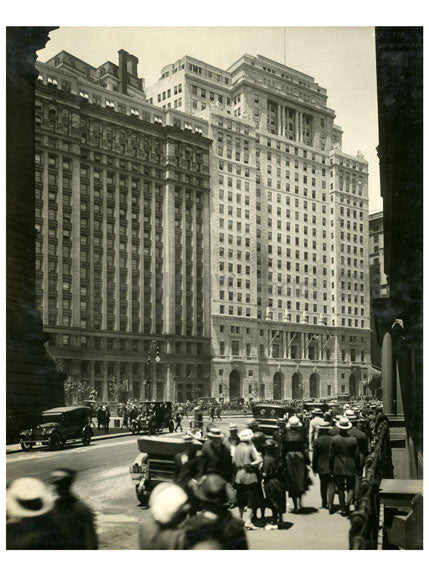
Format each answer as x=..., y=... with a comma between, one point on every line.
x=314, y=423
x=322, y=466
x=362, y=441
x=344, y=461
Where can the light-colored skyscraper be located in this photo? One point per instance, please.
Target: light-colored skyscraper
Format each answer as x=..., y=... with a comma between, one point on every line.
x=289, y=231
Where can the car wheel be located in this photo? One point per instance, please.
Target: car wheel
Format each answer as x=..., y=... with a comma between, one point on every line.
x=54, y=442
x=86, y=440
x=171, y=426
x=142, y=497
x=26, y=446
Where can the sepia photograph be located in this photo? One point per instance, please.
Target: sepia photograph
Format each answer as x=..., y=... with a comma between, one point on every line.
x=214, y=288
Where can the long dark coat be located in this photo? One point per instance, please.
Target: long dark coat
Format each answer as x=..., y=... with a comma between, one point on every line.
x=321, y=447
x=344, y=455
x=296, y=459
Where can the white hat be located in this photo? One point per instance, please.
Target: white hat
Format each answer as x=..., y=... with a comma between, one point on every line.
x=294, y=422
x=344, y=423
x=346, y=406
x=245, y=435
x=350, y=415
x=214, y=433
x=165, y=501
x=28, y=497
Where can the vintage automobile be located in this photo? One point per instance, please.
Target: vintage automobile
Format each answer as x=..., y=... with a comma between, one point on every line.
x=267, y=415
x=311, y=405
x=154, y=417
x=59, y=426
x=155, y=463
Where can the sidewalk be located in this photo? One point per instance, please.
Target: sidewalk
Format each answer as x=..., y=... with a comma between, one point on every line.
x=313, y=529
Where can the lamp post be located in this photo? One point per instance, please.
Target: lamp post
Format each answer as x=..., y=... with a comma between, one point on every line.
x=153, y=350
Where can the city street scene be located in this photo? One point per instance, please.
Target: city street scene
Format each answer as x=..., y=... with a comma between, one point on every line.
x=214, y=328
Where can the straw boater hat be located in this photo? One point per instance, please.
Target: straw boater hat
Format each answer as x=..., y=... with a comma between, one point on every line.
x=294, y=422
x=317, y=411
x=245, y=435
x=28, y=498
x=324, y=425
x=233, y=426
x=344, y=423
x=214, y=433
x=350, y=415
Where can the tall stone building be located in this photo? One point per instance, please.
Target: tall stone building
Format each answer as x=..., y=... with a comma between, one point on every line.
x=289, y=221
x=269, y=258
x=123, y=232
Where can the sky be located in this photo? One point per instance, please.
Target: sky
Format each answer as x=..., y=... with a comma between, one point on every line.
x=341, y=59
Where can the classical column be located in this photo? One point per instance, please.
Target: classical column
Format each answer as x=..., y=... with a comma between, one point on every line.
x=207, y=271
x=169, y=261
x=399, y=405
x=387, y=373
x=169, y=392
x=142, y=381
x=105, y=374
x=92, y=374
x=153, y=258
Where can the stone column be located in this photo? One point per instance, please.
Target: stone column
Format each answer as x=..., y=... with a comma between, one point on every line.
x=169, y=260
x=169, y=392
x=104, y=372
x=399, y=404
x=387, y=373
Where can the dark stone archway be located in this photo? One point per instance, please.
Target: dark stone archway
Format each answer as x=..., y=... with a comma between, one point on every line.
x=234, y=385
x=353, y=389
x=297, y=386
x=315, y=385
x=278, y=386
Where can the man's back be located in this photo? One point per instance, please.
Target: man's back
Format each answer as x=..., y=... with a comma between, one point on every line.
x=343, y=454
x=321, y=447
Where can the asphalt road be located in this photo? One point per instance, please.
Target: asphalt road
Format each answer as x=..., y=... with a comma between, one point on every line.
x=104, y=483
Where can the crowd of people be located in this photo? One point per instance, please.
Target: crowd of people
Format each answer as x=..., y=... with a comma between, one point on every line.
x=242, y=469
x=255, y=473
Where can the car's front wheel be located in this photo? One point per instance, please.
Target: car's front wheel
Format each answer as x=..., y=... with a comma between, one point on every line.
x=26, y=446
x=86, y=440
x=171, y=426
x=54, y=442
x=142, y=497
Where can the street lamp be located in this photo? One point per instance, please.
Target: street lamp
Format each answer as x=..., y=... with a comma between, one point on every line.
x=153, y=349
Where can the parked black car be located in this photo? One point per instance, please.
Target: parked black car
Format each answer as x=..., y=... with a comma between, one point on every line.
x=58, y=426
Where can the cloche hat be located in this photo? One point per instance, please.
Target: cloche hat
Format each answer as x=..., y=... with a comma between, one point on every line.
x=166, y=500
x=212, y=488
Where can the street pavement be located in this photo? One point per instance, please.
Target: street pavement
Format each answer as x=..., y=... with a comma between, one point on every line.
x=104, y=483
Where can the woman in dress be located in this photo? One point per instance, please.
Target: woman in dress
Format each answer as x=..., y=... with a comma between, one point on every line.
x=295, y=461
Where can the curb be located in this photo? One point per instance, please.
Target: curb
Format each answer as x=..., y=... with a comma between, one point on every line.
x=94, y=439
